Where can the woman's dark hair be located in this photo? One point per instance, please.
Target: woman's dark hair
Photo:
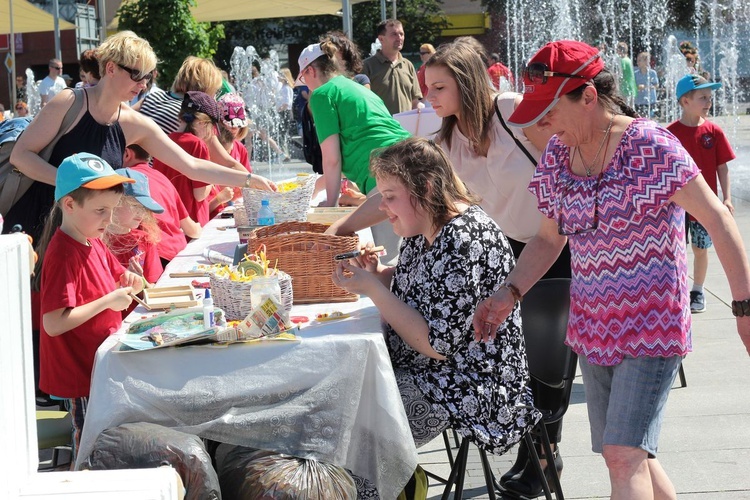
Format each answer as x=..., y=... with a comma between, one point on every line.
x=139, y=152
x=90, y=64
x=606, y=88
x=424, y=168
x=54, y=220
x=349, y=51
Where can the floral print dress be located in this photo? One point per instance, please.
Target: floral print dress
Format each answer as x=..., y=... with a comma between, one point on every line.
x=481, y=389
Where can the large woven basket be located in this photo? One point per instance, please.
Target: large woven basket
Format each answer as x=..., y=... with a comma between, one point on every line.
x=289, y=206
x=303, y=251
x=234, y=296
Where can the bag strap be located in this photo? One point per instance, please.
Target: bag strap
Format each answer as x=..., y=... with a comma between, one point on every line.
x=67, y=121
x=507, y=129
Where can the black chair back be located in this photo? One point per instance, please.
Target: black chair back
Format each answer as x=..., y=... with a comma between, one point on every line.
x=544, y=315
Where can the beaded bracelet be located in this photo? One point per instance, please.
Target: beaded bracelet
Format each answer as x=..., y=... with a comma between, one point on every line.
x=741, y=308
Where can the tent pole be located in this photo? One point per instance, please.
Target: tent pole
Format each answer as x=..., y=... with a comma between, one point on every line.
x=13, y=55
x=103, y=20
x=383, y=14
x=56, y=14
x=346, y=10
x=394, y=10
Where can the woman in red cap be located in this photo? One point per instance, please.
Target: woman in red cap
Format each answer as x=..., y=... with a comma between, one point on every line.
x=616, y=188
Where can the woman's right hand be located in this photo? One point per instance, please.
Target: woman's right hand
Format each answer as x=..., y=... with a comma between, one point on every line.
x=491, y=313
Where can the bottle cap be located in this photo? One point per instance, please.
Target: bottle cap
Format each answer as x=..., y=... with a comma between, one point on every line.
x=264, y=202
x=207, y=295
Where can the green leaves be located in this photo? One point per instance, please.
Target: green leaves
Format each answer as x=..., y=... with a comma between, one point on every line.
x=172, y=31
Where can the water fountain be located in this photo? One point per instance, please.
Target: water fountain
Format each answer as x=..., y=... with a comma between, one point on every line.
x=260, y=95
x=721, y=28
x=32, y=93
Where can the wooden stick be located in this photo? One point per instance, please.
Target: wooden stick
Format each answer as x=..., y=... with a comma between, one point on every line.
x=141, y=302
x=189, y=274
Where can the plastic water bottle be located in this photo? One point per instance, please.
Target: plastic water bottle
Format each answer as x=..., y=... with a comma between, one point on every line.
x=265, y=214
x=208, y=310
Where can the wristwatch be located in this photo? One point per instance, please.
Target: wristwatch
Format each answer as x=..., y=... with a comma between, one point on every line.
x=248, y=180
x=741, y=308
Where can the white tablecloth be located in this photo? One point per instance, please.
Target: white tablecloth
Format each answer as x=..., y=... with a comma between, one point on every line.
x=330, y=396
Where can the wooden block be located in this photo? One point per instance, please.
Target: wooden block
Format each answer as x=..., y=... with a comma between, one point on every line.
x=168, y=296
x=328, y=215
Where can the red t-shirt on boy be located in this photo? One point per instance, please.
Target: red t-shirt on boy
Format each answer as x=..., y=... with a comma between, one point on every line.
x=74, y=274
x=165, y=194
x=196, y=148
x=707, y=145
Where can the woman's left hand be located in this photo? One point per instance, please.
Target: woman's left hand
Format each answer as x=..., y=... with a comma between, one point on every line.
x=354, y=279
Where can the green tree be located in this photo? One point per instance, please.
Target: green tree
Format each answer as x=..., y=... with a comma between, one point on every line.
x=172, y=30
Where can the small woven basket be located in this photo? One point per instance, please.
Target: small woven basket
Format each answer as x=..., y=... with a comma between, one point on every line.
x=240, y=215
x=303, y=251
x=234, y=296
x=289, y=206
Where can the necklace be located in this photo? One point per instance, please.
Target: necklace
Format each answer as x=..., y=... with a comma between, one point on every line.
x=605, y=140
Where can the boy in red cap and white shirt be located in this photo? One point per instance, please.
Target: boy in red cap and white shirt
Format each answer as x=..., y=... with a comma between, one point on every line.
x=710, y=148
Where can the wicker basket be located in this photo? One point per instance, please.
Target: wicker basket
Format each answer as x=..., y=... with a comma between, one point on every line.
x=286, y=207
x=234, y=296
x=301, y=250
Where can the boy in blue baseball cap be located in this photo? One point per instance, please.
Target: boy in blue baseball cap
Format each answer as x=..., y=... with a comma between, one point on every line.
x=709, y=147
x=82, y=286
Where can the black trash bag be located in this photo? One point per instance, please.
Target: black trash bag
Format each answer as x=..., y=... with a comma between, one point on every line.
x=143, y=445
x=250, y=474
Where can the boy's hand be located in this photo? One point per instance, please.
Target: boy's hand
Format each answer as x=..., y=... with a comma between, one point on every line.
x=131, y=280
x=120, y=299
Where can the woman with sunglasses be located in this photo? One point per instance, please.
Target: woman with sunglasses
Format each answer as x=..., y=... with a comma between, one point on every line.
x=104, y=127
x=616, y=189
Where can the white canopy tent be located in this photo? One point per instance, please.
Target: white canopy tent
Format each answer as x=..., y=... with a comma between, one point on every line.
x=221, y=10
x=27, y=18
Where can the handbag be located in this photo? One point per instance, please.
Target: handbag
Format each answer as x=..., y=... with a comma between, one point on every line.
x=518, y=143
x=13, y=183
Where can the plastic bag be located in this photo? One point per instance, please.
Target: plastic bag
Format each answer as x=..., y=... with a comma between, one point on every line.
x=143, y=445
x=250, y=474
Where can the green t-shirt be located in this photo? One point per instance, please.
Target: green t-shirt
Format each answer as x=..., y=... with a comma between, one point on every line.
x=628, y=88
x=341, y=106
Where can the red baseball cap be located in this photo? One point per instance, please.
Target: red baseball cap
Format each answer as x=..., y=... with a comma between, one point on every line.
x=558, y=68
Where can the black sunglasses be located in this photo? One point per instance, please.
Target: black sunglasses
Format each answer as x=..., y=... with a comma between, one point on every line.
x=425, y=53
x=136, y=75
x=538, y=72
x=584, y=229
x=58, y=68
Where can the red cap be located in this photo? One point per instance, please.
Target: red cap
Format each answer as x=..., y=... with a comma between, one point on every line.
x=562, y=56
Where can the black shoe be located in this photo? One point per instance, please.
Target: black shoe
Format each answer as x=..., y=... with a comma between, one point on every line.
x=522, y=460
x=529, y=485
